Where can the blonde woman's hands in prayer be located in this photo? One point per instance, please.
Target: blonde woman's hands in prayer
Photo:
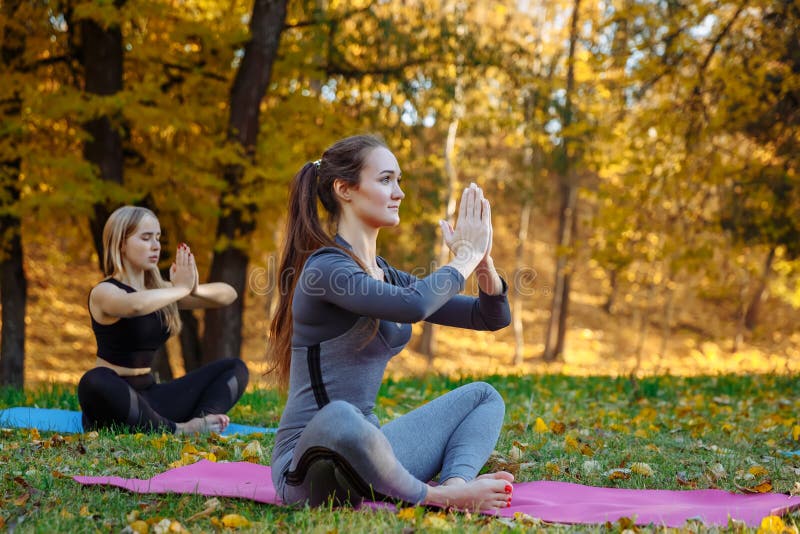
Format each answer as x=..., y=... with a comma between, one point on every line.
x=183, y=272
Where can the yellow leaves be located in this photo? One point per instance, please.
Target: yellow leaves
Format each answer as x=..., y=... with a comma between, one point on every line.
x=235, y=521
x=407, y=514
x=796, y=432
x=618, y=474
x=139, y=527
x=641, y=468
x=190, y=454
x=773, y=524
x=762, y=487
x=252, y=452
x=211, y=505
x=84, y=511
x=526, y=520
x=557, y=427
x=158, y=443
x=168, y=526
x=540, y=426
x=436, y=521
x=758, y=471
x=572, y=444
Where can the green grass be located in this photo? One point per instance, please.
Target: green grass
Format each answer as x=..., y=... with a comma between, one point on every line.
x=684, y=429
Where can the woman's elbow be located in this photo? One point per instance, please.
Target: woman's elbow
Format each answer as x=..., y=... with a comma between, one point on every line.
x=500, y=323
x=416, y=313
x=229, y=296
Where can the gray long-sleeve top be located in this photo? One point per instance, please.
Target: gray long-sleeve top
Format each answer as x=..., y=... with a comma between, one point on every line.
x=332, y=292
x=336, y=352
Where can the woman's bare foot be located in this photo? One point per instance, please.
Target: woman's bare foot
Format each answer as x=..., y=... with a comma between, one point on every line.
x=487, y=492
x=216, y=422
x=502, y=475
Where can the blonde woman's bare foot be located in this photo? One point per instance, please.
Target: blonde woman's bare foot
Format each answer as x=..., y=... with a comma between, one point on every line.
x=216, y=422
x=483, y=493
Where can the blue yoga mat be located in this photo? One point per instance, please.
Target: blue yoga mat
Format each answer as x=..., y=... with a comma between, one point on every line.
x=69, y=422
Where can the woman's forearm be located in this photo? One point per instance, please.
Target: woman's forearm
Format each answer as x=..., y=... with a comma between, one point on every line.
x=215, y=293
x=144, y=302
x=488, y=279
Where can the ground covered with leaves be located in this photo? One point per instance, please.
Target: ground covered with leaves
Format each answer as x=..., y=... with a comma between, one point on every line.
x=726, y=432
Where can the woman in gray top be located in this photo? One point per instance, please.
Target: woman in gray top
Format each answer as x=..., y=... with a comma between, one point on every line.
x=344, y=312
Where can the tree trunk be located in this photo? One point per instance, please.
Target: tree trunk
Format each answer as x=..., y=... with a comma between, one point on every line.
x=516, y=315
x=567, y=218
x=556, y=327
x=608, y=306
x=13, y=284
x=223, y=326
x=754, y=309
x=101, y=55
x=427, y=345
x=191, y=351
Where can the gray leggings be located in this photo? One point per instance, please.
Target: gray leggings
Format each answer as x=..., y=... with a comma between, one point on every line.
x=342, y=456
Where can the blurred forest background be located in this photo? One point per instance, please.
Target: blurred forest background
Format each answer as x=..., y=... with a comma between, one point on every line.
x=641, y=157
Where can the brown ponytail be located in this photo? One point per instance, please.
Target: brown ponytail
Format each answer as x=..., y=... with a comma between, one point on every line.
x=305, y=233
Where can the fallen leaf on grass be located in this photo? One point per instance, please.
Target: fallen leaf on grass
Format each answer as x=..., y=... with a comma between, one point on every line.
x=641, y=468
x=138, y=526
x=235, y=521
x=758, y=471
x=717, y=472
x=527, y=520
x=407, y=514
x=540, y=426
x=764, y=486
x=773, y=524
x=618, y=474
x=437, y=521
x=796, y=432
x=166, y=526
x=557, y=427
x=591, y=466
x=211, y=505
x=253, y=452
x=683, y=480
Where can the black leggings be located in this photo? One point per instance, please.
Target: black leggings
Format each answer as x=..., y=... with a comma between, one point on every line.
x=138, y=404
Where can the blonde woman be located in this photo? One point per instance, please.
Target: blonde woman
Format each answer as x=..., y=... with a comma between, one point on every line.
x=133, y=312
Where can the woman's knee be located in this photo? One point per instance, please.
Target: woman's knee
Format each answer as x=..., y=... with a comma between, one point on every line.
x=95, y=382
x=487, y=394
x=348, y=429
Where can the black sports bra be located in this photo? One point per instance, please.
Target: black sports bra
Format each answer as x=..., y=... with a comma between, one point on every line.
x=131, y=341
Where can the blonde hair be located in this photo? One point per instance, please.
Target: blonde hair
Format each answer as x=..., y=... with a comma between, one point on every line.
x=120, y=226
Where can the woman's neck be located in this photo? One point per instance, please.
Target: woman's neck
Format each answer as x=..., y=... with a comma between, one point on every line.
x=132, y=277
x=361, y=240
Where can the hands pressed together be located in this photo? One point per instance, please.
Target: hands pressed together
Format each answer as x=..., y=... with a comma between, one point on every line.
x=472, y=236
x=183, y=272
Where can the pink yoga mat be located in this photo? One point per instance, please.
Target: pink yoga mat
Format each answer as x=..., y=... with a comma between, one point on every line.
x=558, y=502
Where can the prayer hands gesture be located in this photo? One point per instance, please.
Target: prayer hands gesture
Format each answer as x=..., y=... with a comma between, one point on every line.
x=472, y=236
x=183, y=272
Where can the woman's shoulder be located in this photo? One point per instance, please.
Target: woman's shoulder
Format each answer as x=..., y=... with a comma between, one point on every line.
x=329, y=256
x=109, y=283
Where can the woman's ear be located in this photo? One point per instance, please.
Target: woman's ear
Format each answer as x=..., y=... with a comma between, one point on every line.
x=342, y=189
